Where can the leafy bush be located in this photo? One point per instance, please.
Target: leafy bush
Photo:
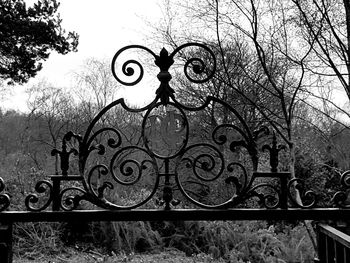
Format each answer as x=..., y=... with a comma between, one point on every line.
x=246, y=241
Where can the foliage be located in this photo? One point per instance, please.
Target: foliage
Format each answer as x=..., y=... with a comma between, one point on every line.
x=169, y=256
x=33, y=239
x=233, y=241
x=27, y=36
x=254, y=241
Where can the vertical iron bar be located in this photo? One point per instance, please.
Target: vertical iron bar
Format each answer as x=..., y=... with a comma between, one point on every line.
x=330, y=250
x=321, y=245
x=339, y=252
x=6, y=242
x=346, y=254
x=284, y=191
x=338, y=255
x=327, y=250
x=167, y=191
x=56, y=188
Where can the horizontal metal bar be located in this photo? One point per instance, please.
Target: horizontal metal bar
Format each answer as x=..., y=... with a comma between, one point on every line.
x=335, y=234
x=271, y=174
x=166, y=174
x=66, y=177
x=173, y=215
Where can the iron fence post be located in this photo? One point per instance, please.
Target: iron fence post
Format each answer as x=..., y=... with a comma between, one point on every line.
x=284, y=190
x=56, y=188
x=6, y=242
x=321, y=245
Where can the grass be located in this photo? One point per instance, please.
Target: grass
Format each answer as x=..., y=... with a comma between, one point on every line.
x=180, y=241
x=170, y=256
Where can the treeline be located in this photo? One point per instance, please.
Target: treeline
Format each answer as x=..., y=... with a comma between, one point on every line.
x=321, y=154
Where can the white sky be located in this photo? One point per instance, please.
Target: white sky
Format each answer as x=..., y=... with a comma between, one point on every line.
x=104, y=27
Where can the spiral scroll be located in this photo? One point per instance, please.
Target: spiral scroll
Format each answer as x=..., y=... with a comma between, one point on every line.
x=199, y=68
x=128, y=66
x=210, y=161
x=70, y=202
x=240, y=182
x=108, y=185
x=129, y=168
x=111, y=142
x=270, y=200
x=222, y=138
x=308, y=198
x=202, y=165
x=201, y=65
x=4, y=198
x=340, y=198
x=42, y=187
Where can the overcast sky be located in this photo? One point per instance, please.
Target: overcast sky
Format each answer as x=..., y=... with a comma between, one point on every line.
x=104, y=27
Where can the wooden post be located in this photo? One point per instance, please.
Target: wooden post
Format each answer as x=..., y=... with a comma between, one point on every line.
x=6, y=242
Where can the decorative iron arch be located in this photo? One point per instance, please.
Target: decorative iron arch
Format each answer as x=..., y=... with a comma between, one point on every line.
x=165, y=157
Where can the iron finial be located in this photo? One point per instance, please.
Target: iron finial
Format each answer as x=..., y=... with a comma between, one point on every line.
x=164, y=62
x=274, y=151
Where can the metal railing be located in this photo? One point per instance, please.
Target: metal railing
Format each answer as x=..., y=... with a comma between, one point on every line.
x=333, y=245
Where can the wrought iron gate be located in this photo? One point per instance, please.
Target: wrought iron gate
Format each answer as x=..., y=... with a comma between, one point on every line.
x=193, y=161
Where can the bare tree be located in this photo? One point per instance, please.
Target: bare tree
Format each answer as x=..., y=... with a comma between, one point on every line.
x=266, y=31
x=270, y=30
x=95, y=86
x=325, y=27
x=53, y=108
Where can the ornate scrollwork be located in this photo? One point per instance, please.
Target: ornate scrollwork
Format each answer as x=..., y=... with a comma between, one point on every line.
x=201, y=164
x=345, y=179
x=42, y=187
x=102, y=170
x=165, y=132
x=4, y=198
x=240, y=182
x=99, y=147
x=340, y=198
x=268, y=199
x=111, y=142
x=196, y=69
x=299, y=196
x=128, y=66
x=194, y=66
x=242, y=137
x=213, y=161
x=274, y=150
x=222, y=138
x=209, y=160
x=127, y=166
x=72, y=201
x=64, y=154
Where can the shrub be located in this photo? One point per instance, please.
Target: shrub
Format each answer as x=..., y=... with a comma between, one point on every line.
x=34, y=239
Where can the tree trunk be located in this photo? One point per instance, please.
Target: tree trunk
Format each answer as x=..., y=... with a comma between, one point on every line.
x=292, y=172
x=307, y=223
x=347, y=15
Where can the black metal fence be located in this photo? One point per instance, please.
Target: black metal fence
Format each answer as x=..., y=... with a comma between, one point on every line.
x=197, y=162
